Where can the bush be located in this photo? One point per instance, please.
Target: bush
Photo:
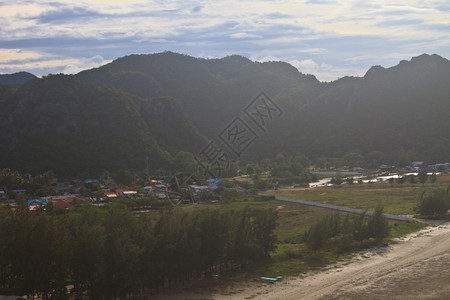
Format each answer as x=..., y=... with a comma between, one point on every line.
x=435, y=203
x=377, y=225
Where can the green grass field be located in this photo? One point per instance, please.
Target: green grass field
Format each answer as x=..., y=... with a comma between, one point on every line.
x=292, y=257
x=397, y=199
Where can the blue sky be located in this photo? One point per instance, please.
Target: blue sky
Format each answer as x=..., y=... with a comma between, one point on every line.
x=329, y=39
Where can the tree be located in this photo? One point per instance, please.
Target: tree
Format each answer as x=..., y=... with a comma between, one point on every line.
x=322, y=163
x=423, y=176
x=87, y=244
x=265, y=164
x=375, y=158
x=434, y=203
x=264, y=224
x=411, y=179
x=122, y=258
x=360, y=229
x=433, y=178
x=337, y=180
x=377, y=225
x=316, y=236
x=353, y=158
x=184, y=161
x=123, y=177
x=36, y=257
x=401, y=179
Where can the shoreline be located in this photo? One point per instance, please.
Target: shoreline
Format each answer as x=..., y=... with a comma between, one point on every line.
x=401, y=270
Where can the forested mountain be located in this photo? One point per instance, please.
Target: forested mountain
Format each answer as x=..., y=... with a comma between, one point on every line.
x=16, y=79
x=58, y=123
x=210, y=91
x=402, y=111
x=142, y=106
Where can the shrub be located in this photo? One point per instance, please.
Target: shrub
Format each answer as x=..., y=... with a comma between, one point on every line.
x=434, y=203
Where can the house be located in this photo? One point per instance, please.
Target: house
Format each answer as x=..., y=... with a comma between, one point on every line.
x=128, y=194
x=110, y=195
x=34, y=204
x=417, y=164
x=161, y=191
x=2, y=195
x=20, y=192
x=90, y=181
x=62, y=204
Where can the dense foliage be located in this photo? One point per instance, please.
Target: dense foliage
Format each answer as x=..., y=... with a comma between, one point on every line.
x=357, y=228
x=107, y=253
x=434, y=203
x=147, y=108
x=11, y=180
x=58, y=123
x=370, y=115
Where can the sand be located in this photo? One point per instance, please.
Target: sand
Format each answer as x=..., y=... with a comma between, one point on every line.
x=414, y=267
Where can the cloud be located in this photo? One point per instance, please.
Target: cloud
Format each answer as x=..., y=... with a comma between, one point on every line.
x=196, y=9
x=313, y=35
x=309, y=66
x=85, y=63
x=67, y=15
x=8, y=56
x=41, y=63
x=244, y=35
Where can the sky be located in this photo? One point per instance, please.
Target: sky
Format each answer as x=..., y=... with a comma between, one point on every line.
x=329, y=39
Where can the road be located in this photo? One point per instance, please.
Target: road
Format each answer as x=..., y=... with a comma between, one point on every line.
x=340, y=208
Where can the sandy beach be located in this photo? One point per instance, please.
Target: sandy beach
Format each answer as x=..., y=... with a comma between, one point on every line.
x=414, y=267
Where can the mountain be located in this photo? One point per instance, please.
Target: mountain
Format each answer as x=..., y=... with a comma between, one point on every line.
x=16, y=79
x=397, y=110
x=210, y=91
x=59, y=123
x=156, y=105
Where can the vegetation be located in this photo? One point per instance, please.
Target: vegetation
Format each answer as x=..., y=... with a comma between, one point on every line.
x=11, y=180
x=397, y=200
x=150, y=114
x=95, y=129
x=109, y=252
x=140, y=111
x=434, y=203
x=358, y=228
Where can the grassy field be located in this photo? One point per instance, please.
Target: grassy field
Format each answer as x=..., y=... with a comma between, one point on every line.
x=293, y=258
x=397, y=199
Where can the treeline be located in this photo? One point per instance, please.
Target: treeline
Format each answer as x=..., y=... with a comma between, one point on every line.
x=351, y=228
x=110, y=252
x=11, y=180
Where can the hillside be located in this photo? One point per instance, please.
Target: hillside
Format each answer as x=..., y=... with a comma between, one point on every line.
x=402, y=111
x=210, y=91
x=58, y=123
x=156, y=105
x=16, y=79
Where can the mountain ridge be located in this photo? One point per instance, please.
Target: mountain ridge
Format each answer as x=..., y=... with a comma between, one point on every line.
x=177, y=102
x=16, y=79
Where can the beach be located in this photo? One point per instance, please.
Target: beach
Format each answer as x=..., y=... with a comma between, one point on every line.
x=416, y=266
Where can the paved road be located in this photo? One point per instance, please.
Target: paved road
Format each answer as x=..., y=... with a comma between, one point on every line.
x=340, y=208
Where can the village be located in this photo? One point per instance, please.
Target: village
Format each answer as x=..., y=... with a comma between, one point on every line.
x=175, y=191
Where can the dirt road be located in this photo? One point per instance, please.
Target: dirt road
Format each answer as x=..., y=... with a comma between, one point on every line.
x=417, y=267
x=414, y=267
